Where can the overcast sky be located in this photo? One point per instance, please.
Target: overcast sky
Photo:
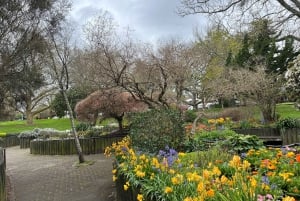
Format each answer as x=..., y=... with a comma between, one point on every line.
x=151, y=20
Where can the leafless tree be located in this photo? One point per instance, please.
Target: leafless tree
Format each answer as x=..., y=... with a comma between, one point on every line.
x=60, y=58
x=284, y=14
x=258, y=86
x=118, y=61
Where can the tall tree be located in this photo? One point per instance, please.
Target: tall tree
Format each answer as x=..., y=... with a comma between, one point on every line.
x=119, y=62
x=214, y=50
x=23, y=23
x=261, y=46
x=60, y=58
x=32, y=90
x=243, y=55
x=74, y=95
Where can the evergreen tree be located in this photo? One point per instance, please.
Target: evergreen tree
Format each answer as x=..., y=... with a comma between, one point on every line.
x=243, y=55
x=261, y=45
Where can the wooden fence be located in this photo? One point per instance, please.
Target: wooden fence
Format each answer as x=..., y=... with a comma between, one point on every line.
x=25, y=142
x=2, y=175
x=290, y=136
x=67, y=146
x=10, y=140
x=274, y=136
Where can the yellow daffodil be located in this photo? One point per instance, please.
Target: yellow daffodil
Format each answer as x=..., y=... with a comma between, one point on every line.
x=168, y=190
x=210, y=193
x=288, y=198
x=140, y=197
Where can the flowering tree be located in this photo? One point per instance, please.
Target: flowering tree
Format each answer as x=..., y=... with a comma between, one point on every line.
x=293, y=77
x=110, y=103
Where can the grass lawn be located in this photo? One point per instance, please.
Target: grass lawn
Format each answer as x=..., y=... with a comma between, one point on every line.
x=287, y=110
x=19, y=126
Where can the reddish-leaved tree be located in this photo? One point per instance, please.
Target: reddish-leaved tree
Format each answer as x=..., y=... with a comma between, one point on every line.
x=110, y=103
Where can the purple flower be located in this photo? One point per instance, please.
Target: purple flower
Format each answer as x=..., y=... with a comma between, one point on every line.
x=173, y=152
x=265, y=180
x=161, y=153
x=169, y=154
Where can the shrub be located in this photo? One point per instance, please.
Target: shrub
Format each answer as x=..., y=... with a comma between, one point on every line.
x=245, y=124
x=241, y=143
x=83, y=126
x=151, y=131
x=190, y=115
x=288, y=123
x=205, y=140
x=42, y=133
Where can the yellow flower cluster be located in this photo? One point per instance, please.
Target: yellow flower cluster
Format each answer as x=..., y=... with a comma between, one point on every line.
x=219, y=121
x=187, y=182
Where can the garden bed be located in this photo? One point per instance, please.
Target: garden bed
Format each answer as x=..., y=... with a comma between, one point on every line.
x=66, y=146
x=264, y=174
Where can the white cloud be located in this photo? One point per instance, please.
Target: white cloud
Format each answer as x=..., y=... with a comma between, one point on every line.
x=150, y=19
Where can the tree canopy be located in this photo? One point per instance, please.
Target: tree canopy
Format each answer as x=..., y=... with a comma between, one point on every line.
x=284, y=14
x=110, y=103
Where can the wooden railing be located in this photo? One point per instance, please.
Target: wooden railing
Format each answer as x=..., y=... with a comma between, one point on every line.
x=9, y=140
x=93, y=145
x=2, y=175
x=274, y=136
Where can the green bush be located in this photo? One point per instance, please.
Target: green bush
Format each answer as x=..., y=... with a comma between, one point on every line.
x=238, y=143
x=206, y=139
x=83, y=126
x=152, y=130
x=287, y=123
x=190, y=115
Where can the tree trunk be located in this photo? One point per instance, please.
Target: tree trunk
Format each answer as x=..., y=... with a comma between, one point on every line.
x=29, y=118
x=71, y=117
x=120, y=120
x=267, y=112
x=29, y=115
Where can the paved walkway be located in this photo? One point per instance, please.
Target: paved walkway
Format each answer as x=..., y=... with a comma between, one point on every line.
x=55, y=178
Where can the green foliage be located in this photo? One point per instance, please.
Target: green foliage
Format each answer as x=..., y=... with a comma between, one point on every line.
x=190, y=115
x=83, y=126
x=227, y=140
x=241, y=143
x=206, y=139
x=204, y=158
x=59, y=105
x=245, y=124
x=151, y=131
x=244, y=54
x=259, y=42
x=288, y=123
